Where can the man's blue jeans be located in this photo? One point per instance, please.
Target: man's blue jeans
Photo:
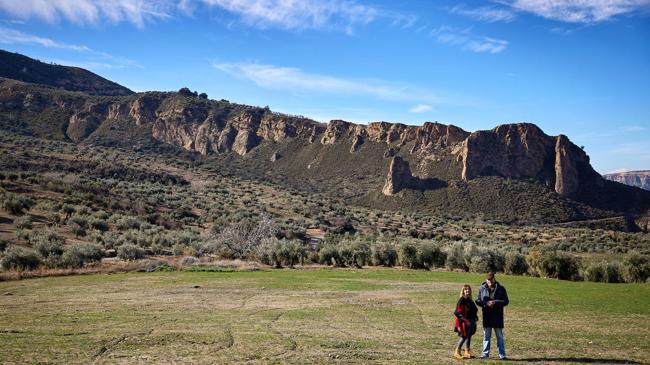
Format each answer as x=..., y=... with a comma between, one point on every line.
x=487, y=334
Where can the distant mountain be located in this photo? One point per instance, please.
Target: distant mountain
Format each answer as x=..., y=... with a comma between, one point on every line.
x=18, y=67
x=640, y=179
x=512, y=173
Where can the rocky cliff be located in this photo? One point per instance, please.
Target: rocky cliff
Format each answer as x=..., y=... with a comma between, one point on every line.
x=445, y=165
x=640, y=179
x=523, y=151
x=514, y=151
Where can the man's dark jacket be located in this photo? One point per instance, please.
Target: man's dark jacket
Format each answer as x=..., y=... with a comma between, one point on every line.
x=492, y=317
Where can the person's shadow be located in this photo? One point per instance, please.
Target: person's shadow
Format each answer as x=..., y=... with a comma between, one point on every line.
x=580, y=360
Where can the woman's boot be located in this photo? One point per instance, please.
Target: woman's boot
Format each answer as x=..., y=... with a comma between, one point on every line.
x=467, y=354
x=457, y=354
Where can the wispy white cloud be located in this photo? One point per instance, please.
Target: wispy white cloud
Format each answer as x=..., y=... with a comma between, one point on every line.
x=578, y=11
x=300, y=14
x=294, y=79
x=490, y=14
x=340, y=15
x=420, y=108
x=99, y=59
x=137, y=12
x=464, y=39
x=12, y=36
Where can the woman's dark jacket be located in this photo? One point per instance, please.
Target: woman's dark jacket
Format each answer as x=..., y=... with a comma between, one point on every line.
x=492, y=317
x=466, y=313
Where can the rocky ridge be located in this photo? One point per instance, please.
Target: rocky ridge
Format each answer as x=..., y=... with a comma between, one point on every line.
x=640, y=179
x=514, y=151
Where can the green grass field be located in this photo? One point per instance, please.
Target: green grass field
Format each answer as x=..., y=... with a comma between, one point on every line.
x=309, y=316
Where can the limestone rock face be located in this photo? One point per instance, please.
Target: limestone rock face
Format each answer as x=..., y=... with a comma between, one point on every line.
x=339, y=129
x=439, y=154
x=356, y=143
x=568, y=159
x=226, y=139
x=523, y=151
x=117, y=111
x=244, y=142
x=640, y=179
x=143, y=109
x=513, y=151
x=399, y=176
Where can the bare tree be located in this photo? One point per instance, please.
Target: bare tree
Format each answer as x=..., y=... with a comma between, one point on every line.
x=244, y=237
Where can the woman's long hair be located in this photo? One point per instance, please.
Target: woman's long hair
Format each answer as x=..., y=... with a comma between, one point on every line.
x=462, y=291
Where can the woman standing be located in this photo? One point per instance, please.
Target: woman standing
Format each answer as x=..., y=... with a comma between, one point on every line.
x=465, y=324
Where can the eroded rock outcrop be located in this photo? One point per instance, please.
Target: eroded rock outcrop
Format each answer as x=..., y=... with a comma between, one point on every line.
x=523, y=151
x=143, y=109
x=399, y=176
x=81, y=125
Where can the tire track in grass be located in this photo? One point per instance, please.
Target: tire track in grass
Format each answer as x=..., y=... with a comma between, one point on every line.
x=292, y=342
x=108, y=346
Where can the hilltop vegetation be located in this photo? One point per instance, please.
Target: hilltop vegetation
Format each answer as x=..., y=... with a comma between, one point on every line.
x=18, y=67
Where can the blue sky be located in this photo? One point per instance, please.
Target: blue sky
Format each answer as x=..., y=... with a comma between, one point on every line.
x=574, y=67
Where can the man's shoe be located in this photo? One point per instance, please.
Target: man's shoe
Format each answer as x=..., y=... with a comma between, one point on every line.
x=503, y=358
x=457, y=355
x=467, y=354
x=485, y=357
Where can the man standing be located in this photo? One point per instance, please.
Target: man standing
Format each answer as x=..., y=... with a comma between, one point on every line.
x=492, y=297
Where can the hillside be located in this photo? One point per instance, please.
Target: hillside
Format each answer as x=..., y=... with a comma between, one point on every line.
x=18, y=67
x=640, y=179
x=513, y=173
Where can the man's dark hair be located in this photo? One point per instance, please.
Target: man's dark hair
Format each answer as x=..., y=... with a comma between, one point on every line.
x=489, y=275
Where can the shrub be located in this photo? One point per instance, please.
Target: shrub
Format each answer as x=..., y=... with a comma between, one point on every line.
x=595, y=272
x=480, y=263
x=68, y=210
x=178, y=249
x=99, y=224
x=3, y=245
x=24, y=222
x=77, y=255
x=430, y=255
x=456, y=257
x=559, y=265
x=384, y=254
x=408, y=255
x=129, y=251
x=497, y=260
x=290, y=252
x=47, y=242
x=534, y=259
x=78, y=225
x=20, y=258
x=16, y=203
x=312, y=257
x=354, y=253
x=190, y=261
x=328, y=255
x=636, y=268
x=613, y=273
x=516, y=264
x=127, y=222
